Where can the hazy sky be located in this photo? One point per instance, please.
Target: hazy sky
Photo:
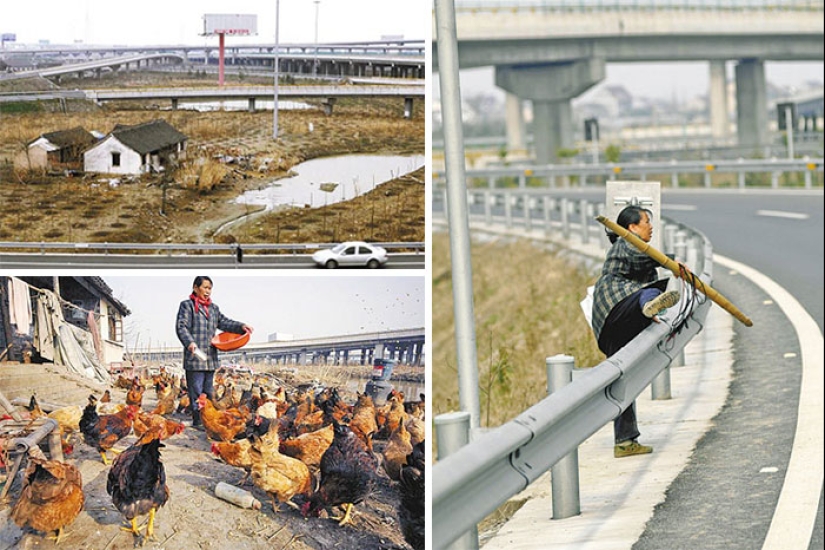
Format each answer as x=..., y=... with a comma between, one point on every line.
x=174, y=22
x=310, y=305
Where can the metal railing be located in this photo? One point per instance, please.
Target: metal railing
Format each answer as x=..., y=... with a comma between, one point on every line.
x=169, y=249
x=641, y=5
x=542, y=176
x=473, y=481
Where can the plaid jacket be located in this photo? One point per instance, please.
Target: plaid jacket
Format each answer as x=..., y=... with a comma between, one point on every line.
x=625, y=271
x=197, y=328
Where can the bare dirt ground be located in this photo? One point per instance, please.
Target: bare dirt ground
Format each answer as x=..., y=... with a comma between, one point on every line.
x=89, y=209
x=194, y=518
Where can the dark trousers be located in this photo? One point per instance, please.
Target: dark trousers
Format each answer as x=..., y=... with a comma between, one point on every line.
x=622, y=325
x=198, y=382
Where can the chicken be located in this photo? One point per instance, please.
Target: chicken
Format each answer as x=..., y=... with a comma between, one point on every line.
x=221, y=425
x=363, y=419
x=68, y=420
x=166, y=400
x=411, y=511
x=416, y=428
x=135, y=394
x=102, y=432
x=107, y=397
x=280, y=476
x=348, y=475
x=396, y=451
x=145, y=421
x=416, y=409
x=237, y=453
x=183, y=402
x=34, y=408
x=137, y=481
x=51, y=497
x=309, y=447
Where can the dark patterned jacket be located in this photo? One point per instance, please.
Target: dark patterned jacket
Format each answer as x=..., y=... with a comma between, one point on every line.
x=625, y=270
x=197, y=328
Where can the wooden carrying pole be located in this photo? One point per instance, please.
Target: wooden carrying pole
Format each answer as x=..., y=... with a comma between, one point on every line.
x=674, y=266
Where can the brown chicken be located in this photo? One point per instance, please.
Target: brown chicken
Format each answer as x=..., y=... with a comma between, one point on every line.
x=308, y=447
x=236, y=453
x=363, y=419
x=280, y=476
x=396, y=451
x=348, y=475
x=417, y=429
x=220, y=425
x=107, y=397
x=68, y=420
x=145, y=421
x=166, y=400
x=135, y=394
x=137, y=481
x=102, y=432
x=51, y=498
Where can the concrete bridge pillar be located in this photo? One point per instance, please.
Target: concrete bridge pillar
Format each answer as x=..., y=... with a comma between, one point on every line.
x=718, y=100
x=751, y=103
x=514, y=120
x=550, y=87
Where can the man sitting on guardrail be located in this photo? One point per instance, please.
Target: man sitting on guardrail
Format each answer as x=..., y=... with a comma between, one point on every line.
x=626, y=299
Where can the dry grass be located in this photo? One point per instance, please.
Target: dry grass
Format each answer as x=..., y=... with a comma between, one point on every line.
x=526, y=306
x=200, y=199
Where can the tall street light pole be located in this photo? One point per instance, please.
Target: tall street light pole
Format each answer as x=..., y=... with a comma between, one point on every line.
x=315, y=62
x=275, y=99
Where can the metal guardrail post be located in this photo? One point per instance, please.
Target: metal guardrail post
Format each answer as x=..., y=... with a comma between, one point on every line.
x=565, y=473
x=452, y=432
x=565, y=222
x=508, y=211
x=741, y=179
x=775, y=180
x=584, y=207
x=488, y=207
x=528, y=224
x=680, y=245
x=491, y=182
x=547, y=203
x=674, y=180
x=808, y=182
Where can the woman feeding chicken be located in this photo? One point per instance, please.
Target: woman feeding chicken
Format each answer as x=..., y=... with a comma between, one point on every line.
x=197, y=322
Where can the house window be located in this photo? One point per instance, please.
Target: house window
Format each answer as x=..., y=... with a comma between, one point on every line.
x=115, y=159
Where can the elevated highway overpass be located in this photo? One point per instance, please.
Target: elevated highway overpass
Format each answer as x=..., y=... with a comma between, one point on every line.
x=551, y=52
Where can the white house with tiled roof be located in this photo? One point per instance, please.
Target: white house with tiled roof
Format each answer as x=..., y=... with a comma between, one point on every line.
x=137, y=149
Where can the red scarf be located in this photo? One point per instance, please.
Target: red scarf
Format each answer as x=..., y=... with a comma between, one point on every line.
x=201, y=302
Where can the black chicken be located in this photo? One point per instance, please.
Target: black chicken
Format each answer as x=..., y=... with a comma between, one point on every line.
x=411, y=513
x=137, y=481
x=348, y=474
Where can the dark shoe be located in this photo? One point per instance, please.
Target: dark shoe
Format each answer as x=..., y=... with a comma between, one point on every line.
x=630, y=448
x=660, y=303
x=196, y=419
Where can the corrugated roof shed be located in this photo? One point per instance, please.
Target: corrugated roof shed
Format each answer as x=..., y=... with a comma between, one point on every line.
x=149, y=136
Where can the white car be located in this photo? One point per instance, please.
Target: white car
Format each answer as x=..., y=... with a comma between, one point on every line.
x=354, y=253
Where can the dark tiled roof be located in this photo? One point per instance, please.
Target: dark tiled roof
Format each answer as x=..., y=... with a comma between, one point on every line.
x=73, y=136
x=106, y=291
x=149, y=136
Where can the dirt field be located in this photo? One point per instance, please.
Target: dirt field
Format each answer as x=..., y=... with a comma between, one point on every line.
x=198, y=200
x=194, y=518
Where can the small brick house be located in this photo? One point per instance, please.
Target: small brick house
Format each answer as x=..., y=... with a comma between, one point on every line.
x=58, y=150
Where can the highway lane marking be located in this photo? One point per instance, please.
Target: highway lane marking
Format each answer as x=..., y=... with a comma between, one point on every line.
x=795, y=512
x=682, y=207
x=781, y=214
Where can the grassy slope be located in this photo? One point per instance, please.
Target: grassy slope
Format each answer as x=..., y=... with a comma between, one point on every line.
x=526, y=305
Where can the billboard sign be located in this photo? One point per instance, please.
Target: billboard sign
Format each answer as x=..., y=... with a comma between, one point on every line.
x=232, y=24
x=8, y=37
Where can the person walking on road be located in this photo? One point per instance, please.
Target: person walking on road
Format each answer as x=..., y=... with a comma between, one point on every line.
x=197, y=322
x=626, y=299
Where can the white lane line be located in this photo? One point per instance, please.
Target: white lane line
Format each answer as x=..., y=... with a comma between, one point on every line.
x=781, y=214
x=795, y=513
x=684, y=207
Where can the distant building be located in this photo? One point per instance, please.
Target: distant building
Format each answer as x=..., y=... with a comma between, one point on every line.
x=55, y=150
x=138, y=149
x=280, y=337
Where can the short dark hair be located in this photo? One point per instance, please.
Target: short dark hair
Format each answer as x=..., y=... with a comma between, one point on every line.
x=629, y=215
x=200, y=279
